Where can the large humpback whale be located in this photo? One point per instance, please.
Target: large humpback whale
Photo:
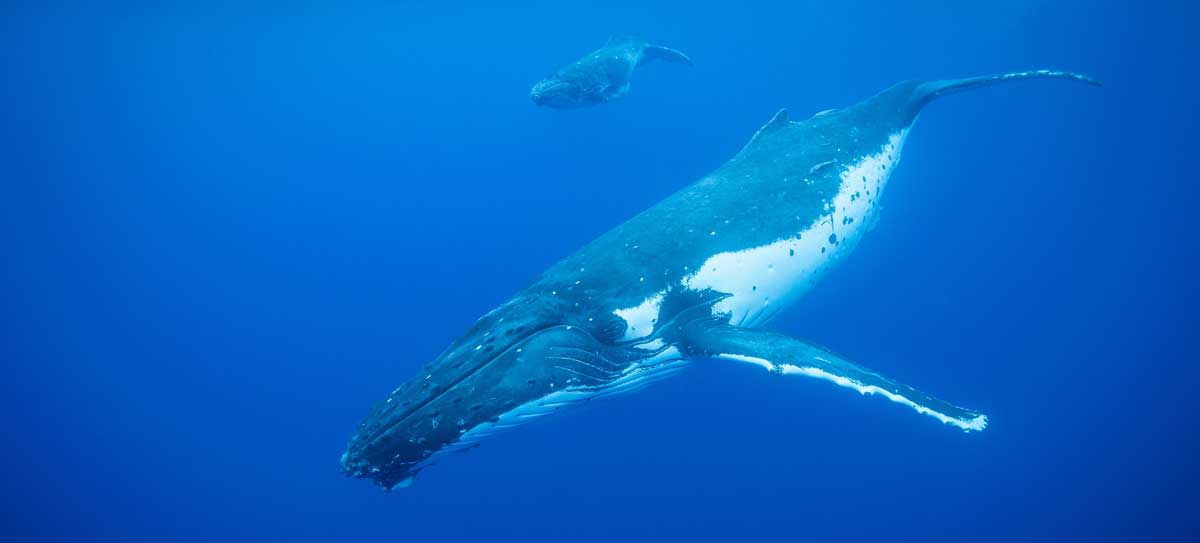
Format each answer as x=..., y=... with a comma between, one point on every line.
x=692, y=277
x=601, y=76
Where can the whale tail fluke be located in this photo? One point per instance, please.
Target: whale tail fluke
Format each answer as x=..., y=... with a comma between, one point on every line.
x=926, y=92
x=658, y=52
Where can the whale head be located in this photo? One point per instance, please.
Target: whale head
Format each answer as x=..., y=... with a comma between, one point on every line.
x=464, y=387
x=558, y=93
x=525, y=359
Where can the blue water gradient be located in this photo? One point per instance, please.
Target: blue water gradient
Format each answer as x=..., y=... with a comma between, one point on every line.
x=229, y=229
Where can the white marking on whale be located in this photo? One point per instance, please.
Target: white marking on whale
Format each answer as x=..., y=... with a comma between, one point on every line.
x=760, y=362
x=640, y=319
x=777, y=273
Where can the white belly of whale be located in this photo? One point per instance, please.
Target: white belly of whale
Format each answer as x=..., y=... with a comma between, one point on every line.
x=763, y=280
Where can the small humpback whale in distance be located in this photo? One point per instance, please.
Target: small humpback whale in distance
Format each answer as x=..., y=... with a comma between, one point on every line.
x=601, y=76
x=691, y=278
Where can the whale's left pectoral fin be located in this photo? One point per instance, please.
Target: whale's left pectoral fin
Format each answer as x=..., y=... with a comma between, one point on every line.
x=785, y=355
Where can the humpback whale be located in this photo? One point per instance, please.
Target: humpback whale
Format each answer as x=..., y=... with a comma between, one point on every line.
x=691, y=278
x=601, y=76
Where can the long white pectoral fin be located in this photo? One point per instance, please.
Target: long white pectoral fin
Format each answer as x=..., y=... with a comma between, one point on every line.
x=786, y=355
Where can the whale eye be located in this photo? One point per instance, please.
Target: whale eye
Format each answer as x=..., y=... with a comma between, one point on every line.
x=608, y=327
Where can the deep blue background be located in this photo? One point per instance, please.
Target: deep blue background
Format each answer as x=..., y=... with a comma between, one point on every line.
x=227, y=231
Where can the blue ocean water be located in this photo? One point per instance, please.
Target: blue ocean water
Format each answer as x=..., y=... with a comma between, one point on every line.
x=229, y=230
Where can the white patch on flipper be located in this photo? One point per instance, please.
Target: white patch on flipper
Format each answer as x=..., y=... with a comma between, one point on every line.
x=760, y=362
x=761, y=279
x=976, y=424
x=640, y=319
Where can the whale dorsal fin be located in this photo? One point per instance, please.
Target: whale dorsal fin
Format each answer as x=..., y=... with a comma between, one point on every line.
x=777, y=123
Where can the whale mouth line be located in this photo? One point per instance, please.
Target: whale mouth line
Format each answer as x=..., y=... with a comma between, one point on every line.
x=631, y=378
x=552, y=93
x=383, y=431
x=375, y=457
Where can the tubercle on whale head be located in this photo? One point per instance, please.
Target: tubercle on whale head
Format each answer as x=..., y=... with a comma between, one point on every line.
x=540, y=91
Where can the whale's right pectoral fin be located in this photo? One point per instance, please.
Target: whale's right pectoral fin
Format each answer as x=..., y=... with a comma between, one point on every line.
x=785, y=355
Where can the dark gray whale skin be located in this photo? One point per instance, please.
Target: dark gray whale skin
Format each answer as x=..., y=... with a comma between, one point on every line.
x=601, y=76
x=571, y=335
